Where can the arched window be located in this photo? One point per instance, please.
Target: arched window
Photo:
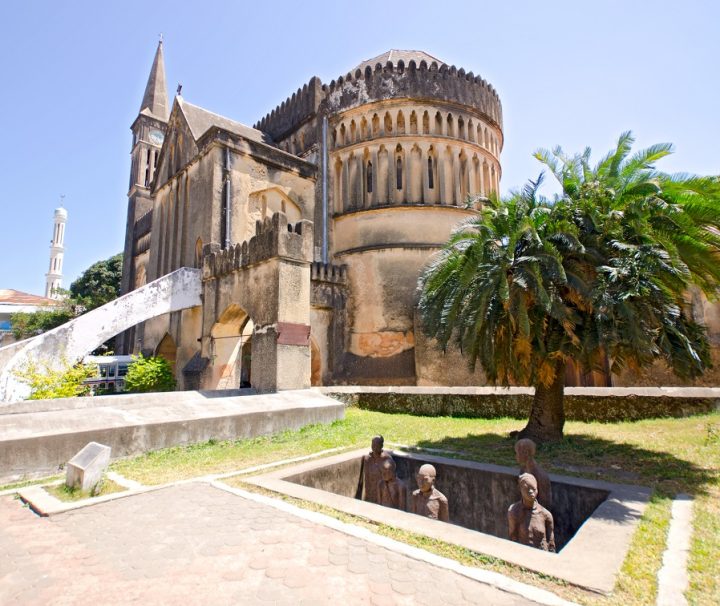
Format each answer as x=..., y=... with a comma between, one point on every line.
x=369, y=177
x=426, y=123
x=398, y=174
x=431, y=179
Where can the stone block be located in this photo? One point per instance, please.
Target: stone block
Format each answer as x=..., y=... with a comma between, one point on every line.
x=85, y=469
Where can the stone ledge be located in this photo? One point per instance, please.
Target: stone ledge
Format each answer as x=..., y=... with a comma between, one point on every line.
x=37, y=443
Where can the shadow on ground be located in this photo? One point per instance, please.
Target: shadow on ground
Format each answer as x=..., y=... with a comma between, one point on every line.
x=590, y=457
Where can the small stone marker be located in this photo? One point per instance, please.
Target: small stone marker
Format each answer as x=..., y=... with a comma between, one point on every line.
x=85, y=469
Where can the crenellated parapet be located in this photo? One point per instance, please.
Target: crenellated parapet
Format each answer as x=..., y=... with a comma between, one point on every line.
x=420, y=81
x=274, y=238
x=327, y=272
x=302, y=105
x=415, y=80
x=328, y=285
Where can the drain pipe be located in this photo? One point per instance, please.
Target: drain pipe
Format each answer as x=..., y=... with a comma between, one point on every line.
x=226, y=201
x=324, y=192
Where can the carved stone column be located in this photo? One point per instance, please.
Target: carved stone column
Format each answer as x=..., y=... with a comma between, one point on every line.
x=359, y=181
x=441, y=184
x=376, y=196
x=457, y=196
x=345, y=186
x=424, y=174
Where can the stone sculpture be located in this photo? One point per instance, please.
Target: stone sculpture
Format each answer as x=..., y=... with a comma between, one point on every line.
x=525, y=456
x=372, y=465
x=529, y=522
x=391, y=490
x=427, y=500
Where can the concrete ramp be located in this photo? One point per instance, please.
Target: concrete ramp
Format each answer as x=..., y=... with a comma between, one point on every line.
x=37, y=437
x=68, y=343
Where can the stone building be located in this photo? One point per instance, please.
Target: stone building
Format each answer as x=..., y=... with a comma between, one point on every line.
x=312, y=226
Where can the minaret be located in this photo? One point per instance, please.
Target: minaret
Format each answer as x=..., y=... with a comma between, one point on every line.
x=53, y=279
x=148, y=133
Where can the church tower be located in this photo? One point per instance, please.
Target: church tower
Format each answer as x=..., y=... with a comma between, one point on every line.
x=148, y=133
x=53, y=279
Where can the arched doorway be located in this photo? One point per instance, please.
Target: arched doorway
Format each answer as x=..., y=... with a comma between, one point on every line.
x=168, y=350
x=230, y=348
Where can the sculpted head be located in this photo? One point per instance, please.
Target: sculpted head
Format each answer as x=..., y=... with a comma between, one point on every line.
x=388, y=470
x=528, y=489
x=426, y=477
x=524, y=451
x=377, y=444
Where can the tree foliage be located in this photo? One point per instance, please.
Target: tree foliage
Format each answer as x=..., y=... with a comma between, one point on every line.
x=49, y=383
x=149, y=374
x=99, y=283
x=600, y=272
x=25, y=324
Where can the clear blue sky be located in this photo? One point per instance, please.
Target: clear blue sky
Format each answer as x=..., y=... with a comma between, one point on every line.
x=572, y=73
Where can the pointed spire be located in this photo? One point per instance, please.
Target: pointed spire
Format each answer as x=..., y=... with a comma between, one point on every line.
x=155, y=99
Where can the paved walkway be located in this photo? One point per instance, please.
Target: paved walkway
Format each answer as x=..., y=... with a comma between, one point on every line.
x=195, y=544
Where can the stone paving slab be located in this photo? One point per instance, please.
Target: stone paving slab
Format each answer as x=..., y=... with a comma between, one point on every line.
x=195, y=544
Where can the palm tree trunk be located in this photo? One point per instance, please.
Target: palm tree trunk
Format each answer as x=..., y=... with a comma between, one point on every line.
x=547, y=415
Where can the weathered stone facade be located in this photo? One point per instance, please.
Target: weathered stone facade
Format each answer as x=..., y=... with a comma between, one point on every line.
x=311, y=228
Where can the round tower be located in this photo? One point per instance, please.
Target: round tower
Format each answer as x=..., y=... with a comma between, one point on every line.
x=53, y=279
x=414, y=145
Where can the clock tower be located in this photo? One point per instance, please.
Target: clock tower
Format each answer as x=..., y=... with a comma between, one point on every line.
x=148, y=132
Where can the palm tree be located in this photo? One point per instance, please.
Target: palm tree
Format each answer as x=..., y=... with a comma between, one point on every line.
x=598, y=273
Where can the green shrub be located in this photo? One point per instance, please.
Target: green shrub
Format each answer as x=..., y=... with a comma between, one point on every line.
x=149, y=374
x=49, y=383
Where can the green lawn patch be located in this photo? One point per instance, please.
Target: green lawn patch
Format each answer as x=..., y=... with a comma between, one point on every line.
x=66, y=494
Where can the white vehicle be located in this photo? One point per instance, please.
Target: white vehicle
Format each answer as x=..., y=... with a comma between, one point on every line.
x=111, y=373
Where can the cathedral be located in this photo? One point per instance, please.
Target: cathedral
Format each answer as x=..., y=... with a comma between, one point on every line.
x=312, y=226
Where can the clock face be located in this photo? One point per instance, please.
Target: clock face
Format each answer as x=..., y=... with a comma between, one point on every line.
x=156, y=137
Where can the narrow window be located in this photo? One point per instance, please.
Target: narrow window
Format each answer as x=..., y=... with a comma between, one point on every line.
x=431, y=180
x=368, y=177
x=147, y=169
x=398, y=173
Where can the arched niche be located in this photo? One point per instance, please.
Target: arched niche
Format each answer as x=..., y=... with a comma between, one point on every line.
x=167, y=349
x=263, y=204
x=230, y=339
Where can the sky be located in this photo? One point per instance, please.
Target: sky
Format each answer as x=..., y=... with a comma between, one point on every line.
x=575, y=74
